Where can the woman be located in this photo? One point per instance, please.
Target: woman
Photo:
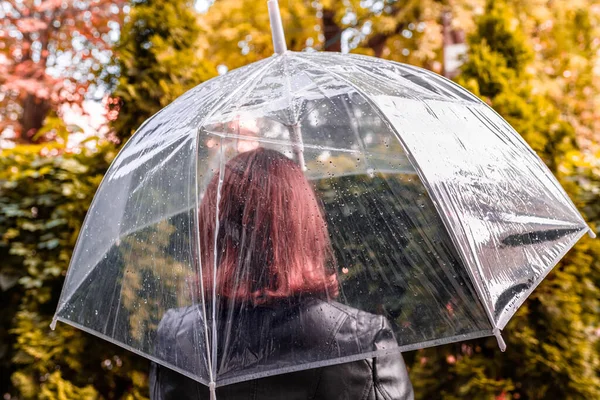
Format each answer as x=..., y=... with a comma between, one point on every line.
x=272, y=281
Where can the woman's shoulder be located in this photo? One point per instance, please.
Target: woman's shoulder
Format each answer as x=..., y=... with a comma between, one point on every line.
x=314, y=318
x=175, y=317
x=361, y=319
x=352, y=327
x=175, y=322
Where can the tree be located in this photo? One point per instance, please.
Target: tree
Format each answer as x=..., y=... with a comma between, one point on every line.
x=566, y=34
x=531, y=62
x=45, y=191
x=159, y=56
x=552, y=344
x=44, y=195
x=406, y=31
x=50, y=53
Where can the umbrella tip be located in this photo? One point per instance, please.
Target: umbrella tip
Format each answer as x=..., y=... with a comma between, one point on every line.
x=501, y=342
x=53, y=324
x=276, y=27
x=591, y=233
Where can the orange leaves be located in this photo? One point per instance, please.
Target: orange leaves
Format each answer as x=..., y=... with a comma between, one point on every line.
x=49, y=5
x=30, y=86
x=52, y=50
x=28, y=25
x=27, y=78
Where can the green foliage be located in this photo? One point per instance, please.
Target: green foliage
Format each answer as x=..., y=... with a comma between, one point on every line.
x=552, y=341
x=496, y=71
x=54, y=127
x=383, y=272
x=44, y=195
x=498, y=55
x=158, y=58
x=471, y=372
x=56, y=388
x=547, y=95
x=497, y=28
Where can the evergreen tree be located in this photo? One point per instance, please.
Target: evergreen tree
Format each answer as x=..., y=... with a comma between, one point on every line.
x=159, y=57
x=552, y=345
x=45, y=192
x=405, y=31
x=496, y=70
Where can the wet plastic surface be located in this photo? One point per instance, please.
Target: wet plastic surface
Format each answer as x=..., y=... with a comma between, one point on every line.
x=440, y=219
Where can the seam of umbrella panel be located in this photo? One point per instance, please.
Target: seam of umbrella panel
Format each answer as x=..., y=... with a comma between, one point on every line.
x=211, y=347
x=478, y=289
x=440, y=81
x=516, y=136
x=105, y=178
x=505, y=317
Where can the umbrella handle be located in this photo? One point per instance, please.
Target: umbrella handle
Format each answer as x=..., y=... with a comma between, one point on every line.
x=212, y=387
x=276, y=27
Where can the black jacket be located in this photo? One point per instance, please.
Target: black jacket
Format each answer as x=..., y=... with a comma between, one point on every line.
x=269, y=340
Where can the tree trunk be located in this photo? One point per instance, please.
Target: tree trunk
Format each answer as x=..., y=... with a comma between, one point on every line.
x=332, y=32
x=377, y=44
x=35, y=111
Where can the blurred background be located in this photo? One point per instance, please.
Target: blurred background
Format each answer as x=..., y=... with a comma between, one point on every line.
x=77, y=77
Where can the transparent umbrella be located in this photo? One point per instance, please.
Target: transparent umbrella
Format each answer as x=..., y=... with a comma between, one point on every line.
x=439, y=217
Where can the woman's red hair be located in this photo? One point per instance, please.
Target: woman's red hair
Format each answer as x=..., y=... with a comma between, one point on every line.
x=272, y=240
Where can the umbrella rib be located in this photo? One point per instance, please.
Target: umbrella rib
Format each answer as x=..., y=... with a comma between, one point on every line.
x=115, y=163
x=285, y=142
x=211, y=350
x=105, y=178
x=441, y=82
x=507, y=314
x=295, y=131
x=423, y=179
x=518, y=138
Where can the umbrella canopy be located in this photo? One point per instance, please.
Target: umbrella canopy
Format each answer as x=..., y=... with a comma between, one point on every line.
x=439, y=216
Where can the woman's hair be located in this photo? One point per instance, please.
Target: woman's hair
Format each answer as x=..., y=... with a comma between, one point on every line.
x=272, y=240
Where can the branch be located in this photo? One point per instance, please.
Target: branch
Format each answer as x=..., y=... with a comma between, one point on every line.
x=332, y=31
x=377, y=41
